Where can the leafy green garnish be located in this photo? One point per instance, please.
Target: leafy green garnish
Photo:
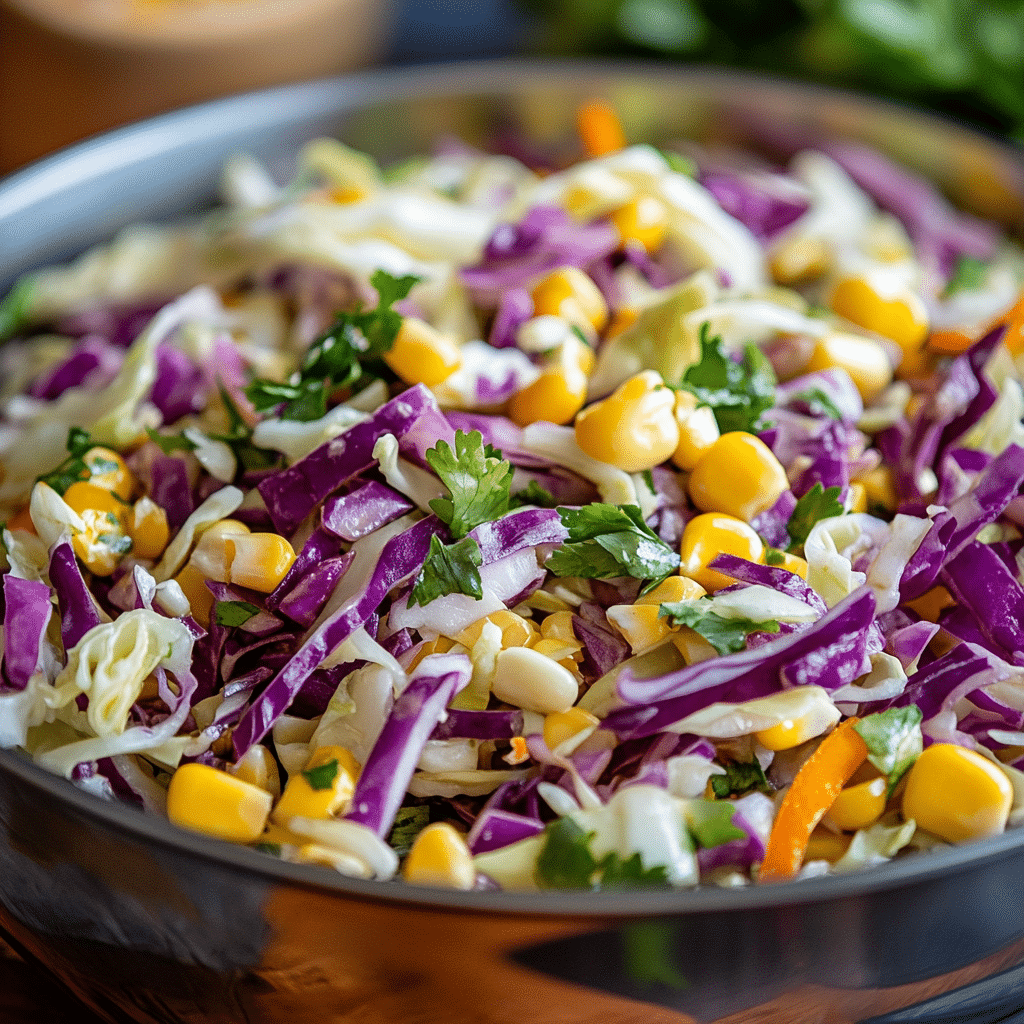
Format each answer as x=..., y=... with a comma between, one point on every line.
x=534, y=494
x=477, y=478
x=566, y=862
x=74, y=467
x=649, y=954
x=170, y=443
x=322, y=776
x=818, y=503
x=14, y=308
x=710, y=822
x=274, y=849
x=737, y=392
x=726, y=635
x=968, y=275
x=349, y=351
x=818, y=402
x=409, y=823
x=233, y=613
x=740, y=777
x=449, y=569
x=893, y=739
x=773, y=556
x=606, y=541
x=679, y=163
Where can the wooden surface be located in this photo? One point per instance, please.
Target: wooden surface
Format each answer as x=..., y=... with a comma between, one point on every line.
x=27, y=996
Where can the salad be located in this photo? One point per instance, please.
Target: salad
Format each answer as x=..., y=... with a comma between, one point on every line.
x=648, y=518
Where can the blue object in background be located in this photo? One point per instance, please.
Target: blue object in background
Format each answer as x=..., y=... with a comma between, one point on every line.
x=438, y=30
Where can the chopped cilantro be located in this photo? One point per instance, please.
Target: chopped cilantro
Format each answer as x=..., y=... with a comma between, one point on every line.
x=773, y=556
x=740, y=777
x=449, y=569
x=477, y=478
x=710, y=822
x=409, y=823
x=818, y=503
x=649, y=481
x=582, y=337
x=171, y=443
x=74, y=467
x=566, y=862
x=606, y=541
x=968, y=275
x=679, y=163
x=534, y=494
x=233, y=613
x=14, y=308
x=818, y=403
x=348, y=352
x=322, y=776
x=737, y=392
x=893, y=739
x=726, y=635
x=274, y=849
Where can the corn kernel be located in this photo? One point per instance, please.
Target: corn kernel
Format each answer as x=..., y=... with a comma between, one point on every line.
x=957, y=794
x=709, y=535
x=439, y=645
x=210, y=555
x=672, y=590
x=794, y=564
x=331, y=794
x=564, y=725
x=556, y=396
x=108, y=470
x=692, y=646
x=84, y=496
x=148, y=529
x=516, y=631
x=422, y=355
x=799, y=260
x=440, y=856
x=643, y=220
x=825, y=845
x=932, y=603
x=738, y=475
x=634, y=429
x=556, y=650
x=858, y=500
x=259, y=768
x=193, y=586
x=570, y=293
x=880, y=488
x=641, y=625
x=207, y=800
x=258, y=561
x=558, y=626
x=863, y=359
x=622, y=320
x=859, y=805
x=900, y=315
x=698, y=430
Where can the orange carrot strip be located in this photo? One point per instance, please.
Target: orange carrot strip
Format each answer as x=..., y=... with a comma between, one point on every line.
x=812, y=793
x=599, y=128
x=1014, y=320
x=952, y=342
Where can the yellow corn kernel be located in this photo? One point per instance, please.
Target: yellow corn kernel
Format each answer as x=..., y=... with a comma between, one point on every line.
x=207, y=800
x=932, y=603
x=641, y=625
x=634, y=429
x=275, y=835
x=259, y=768
x=563, y=725
x=738, y=475
x=345, y=194
x=556, y=650
x=858, y=497
x=859, y=805
x=672, y=590
x=643, y=220
x=799, y=260
x=193, y=586
x=794, y=564
x=570, y=293
x=148, y=529
x=709, y=535
x=880, y=488
x=258, y=561
x=440, y=856
x=558, y=626
x=439, y=645
x=516, y=631
x=621, y=320
x=422, y=355
x=108, y=470
x=333, y=771
x=210, y=555
x=957, y=794
x=84, y=496
x=556, y=396
x=825, y=845
x=900, y=315
x=916, y=365
x=698, y=430
x=863, y=359
x=692, y=646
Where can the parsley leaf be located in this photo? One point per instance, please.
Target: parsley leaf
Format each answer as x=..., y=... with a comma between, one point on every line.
x=233, y=613
x=818, y=403
x=737, y=392
x=344, y=354
x=478, y=479
x=74, y=467
x=606, y=541
x=893, y=739
x=773, y=556
x=534, y=494
x=710, y=822
x=968, y=275
x=818, y=503
x=322, y=776
x=449, y=569
x=740, y=777
x=409, y=823
x=170, y=443
x=566, y=862
x=726, y=635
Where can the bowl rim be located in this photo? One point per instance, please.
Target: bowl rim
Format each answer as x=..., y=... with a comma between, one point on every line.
x=148, y=139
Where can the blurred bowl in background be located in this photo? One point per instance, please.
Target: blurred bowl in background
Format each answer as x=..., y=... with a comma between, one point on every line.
x=72, y=68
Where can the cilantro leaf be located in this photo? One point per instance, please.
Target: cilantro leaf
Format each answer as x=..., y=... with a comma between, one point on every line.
x=679, y=163
x=726, y=635
x=710, y=822
x=346, y=353
x=818, y=503
x=449, y=569
x=740, y=777
x=968, y=275
x=737, y=392
x=773, y=556
x=477, y=478
x=233, y=613
x=616, y=871
x=14, y=308
x=893, y=739
x=74, y=467
x=606, y=541
x=818, y=403
x=322, y=776
x=170, y=443
x=409, y=823
x=274, y=849
x=534, y=494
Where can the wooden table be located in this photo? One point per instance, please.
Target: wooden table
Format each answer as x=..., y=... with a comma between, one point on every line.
x=28, y=996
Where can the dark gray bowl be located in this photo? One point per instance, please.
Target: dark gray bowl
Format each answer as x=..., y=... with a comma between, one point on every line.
x=148, y=923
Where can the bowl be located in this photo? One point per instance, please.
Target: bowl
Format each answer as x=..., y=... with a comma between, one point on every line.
x=147, y=923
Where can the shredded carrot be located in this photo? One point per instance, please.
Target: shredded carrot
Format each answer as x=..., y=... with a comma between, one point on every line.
x=812, y=793
x=950, y=342
x=953, y=342
x=519, y=752
x=1014, y=320
x=599, y=128
x=21, y=521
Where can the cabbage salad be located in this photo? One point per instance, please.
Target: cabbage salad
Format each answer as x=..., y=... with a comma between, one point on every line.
x=492, y=521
